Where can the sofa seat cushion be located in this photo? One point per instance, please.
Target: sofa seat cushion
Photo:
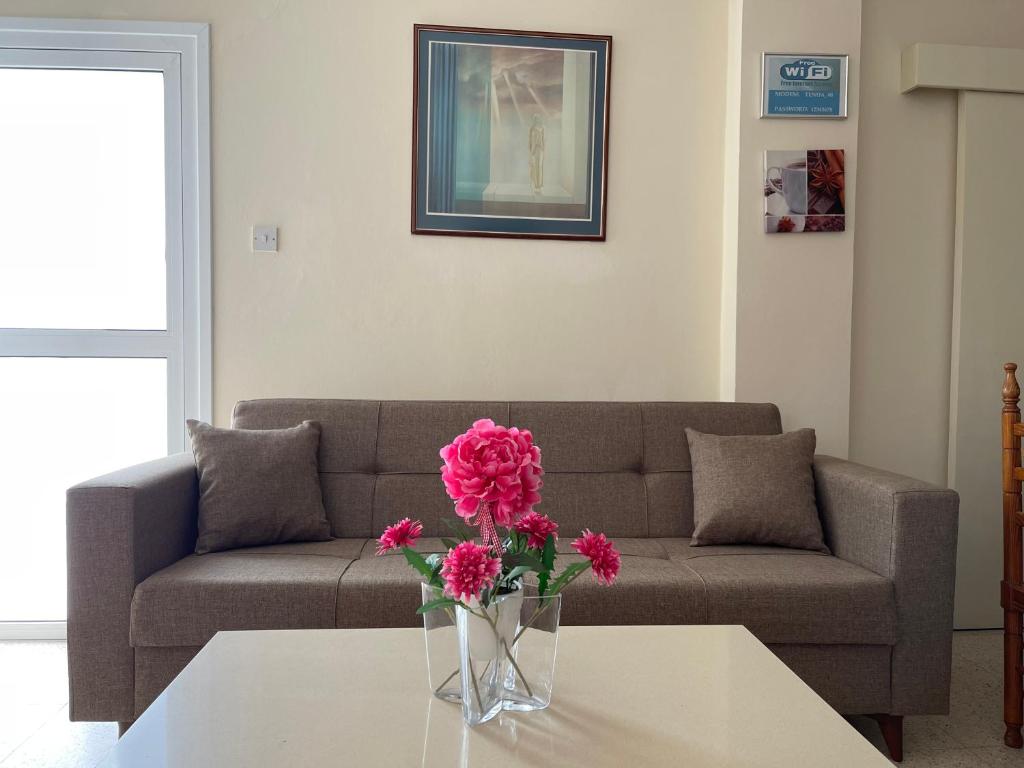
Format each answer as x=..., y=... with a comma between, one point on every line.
x=680, y=549
x=380, y=592
x=648, y=590
x=656, y=548
x=784, y=597
x=385, y=592
x=425, y=545
x=286, y=586
x=347, y=549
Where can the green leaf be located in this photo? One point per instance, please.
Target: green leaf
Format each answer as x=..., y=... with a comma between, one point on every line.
x=462, y=531
x=415, y=559
x=449, y=543
x=436, y=563
x=548, y=555
x=516, y=572
x=571, y=572
x=542, y=583
x=512, y=559
x=441, y=602
x=487, y=595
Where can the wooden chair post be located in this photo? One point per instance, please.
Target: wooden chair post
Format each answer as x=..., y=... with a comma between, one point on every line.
x=1013, y=562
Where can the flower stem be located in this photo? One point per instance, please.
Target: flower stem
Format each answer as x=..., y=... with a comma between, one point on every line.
x=442, y=685
x=508, y=653
x=548, y=600
x=529, y=624
x=519, y=672
x=476, y=689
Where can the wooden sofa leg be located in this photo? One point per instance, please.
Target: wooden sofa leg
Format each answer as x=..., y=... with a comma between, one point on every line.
x=892, y=732
x=1013, y=737
x=123, y=726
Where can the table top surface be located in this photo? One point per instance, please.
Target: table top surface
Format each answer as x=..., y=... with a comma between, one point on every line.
x=653, y=695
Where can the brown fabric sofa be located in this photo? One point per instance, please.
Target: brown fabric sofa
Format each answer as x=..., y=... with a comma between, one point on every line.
x=868, y=627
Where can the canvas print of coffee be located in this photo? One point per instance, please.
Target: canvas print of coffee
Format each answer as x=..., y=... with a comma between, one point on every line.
x=804, y=191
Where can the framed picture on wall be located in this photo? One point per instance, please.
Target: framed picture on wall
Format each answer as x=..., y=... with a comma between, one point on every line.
x=510, y=133
x=804, y=85
x=804, y=190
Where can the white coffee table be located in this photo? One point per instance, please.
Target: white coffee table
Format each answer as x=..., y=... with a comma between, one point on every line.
x=624, y=696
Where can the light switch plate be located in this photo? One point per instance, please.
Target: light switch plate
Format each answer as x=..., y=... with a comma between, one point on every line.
x=264, y=239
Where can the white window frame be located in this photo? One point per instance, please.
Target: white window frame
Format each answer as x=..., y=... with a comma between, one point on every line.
x=181, y=52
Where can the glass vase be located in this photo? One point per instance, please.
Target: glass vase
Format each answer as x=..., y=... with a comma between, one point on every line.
x=529, y=670
x=442, y=642
x=485, y=634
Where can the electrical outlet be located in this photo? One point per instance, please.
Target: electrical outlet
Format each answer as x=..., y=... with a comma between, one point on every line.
x=264, y=239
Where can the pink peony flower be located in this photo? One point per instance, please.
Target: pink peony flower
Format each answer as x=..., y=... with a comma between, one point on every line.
x=402, y=534
x=605, y=559
x=536, y=527
x=491, y=463
x=468, y=568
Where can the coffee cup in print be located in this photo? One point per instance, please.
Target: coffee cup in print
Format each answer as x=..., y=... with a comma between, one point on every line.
x=791, y=182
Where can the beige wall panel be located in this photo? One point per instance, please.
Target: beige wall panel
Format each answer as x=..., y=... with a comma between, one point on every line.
x=988, y=330
x=793, y=293
x=962, y=67
x=903, y=268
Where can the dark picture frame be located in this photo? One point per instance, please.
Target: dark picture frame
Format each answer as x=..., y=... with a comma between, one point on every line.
x=510, y=133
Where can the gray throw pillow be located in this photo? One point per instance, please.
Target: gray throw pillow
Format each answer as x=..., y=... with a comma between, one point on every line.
x=257, y=486
x=755, y=489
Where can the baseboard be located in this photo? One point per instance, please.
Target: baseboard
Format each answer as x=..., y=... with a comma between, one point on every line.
x=33, y=630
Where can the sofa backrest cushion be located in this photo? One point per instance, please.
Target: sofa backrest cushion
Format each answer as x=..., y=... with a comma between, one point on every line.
x=621, y=468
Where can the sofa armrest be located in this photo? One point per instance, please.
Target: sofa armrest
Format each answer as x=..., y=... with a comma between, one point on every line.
x=905, y=530
x=121, y=528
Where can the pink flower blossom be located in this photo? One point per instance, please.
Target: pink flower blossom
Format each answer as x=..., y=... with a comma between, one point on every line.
x=605, y=559
x=536, y=527
x=491, y=463
x=402, y=534
x=468, y=569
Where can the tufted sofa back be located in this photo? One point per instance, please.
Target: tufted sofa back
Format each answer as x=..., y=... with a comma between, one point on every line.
x=621, y=468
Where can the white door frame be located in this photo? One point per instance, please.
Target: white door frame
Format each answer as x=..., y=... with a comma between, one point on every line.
x=182, y=52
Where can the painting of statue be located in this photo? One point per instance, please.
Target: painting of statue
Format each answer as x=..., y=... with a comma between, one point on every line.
x=537, y=155
x=510, y=133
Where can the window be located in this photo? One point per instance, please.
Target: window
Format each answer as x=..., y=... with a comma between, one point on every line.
x=104, y=272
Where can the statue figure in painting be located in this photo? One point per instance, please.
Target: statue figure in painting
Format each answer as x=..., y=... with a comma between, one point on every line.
x=537, y=154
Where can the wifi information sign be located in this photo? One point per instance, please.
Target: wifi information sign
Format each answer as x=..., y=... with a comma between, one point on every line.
x=803, y=85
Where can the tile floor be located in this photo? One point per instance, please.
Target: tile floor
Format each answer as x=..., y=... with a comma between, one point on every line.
x=35, y=732
x=34, y=727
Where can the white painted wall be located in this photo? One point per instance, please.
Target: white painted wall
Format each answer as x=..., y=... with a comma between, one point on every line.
x=792, y=294
x=311, y=131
